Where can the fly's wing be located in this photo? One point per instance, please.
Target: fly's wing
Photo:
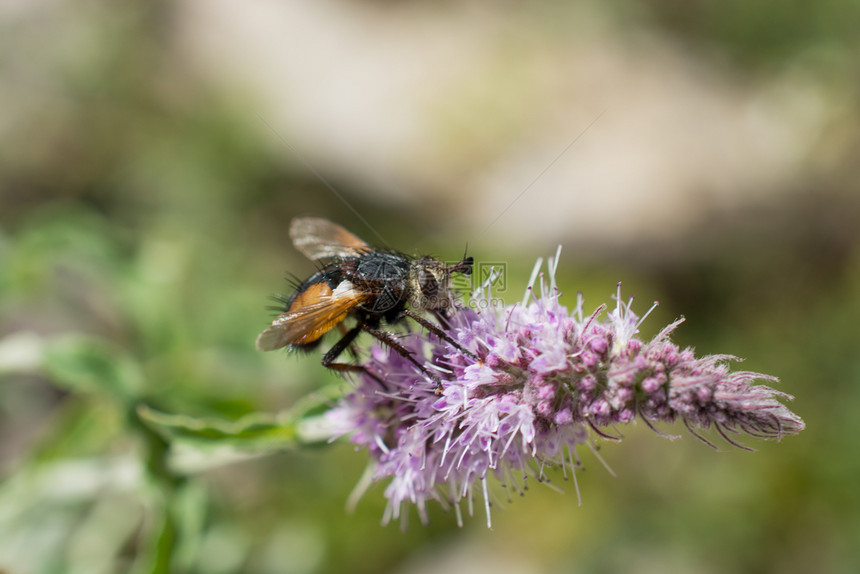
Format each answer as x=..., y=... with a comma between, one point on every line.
x=318, y=239
x=313, y=313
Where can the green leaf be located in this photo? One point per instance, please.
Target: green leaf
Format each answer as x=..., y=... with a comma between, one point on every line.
x=86, y=364
x=257, y=431
x=252, y=431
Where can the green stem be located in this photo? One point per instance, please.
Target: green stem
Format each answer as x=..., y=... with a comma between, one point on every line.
x=168, y=483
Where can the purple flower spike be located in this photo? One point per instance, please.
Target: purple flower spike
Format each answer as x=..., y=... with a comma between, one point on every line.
x=546, y=381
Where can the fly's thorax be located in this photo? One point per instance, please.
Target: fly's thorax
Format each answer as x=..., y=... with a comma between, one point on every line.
x=428, y=284
x=383, y=278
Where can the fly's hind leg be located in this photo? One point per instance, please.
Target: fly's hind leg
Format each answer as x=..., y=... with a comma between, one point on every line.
x=343, y=344
x=352, y=349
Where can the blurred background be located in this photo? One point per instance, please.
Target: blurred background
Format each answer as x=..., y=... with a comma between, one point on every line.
x=152, y=154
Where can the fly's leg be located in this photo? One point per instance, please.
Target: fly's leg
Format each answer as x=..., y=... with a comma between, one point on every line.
x=438, y=332
x=345, y=342
x=387, y=339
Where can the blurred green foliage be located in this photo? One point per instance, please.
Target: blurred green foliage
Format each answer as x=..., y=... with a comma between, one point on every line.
x=141, y=229
x=768, y=34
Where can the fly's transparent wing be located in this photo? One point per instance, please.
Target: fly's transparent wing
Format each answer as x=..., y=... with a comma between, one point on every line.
x=319, y=239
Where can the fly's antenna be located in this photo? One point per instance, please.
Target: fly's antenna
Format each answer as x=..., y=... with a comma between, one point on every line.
x=464, y=266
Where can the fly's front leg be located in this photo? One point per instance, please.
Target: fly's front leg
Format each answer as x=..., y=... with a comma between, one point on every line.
x=387, y=339
x=438, y=332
